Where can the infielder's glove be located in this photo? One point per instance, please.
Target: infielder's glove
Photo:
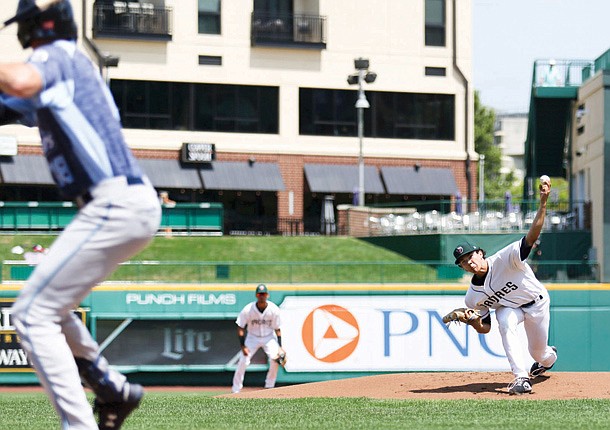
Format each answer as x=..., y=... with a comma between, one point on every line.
x=281, y=358
x=464, y=315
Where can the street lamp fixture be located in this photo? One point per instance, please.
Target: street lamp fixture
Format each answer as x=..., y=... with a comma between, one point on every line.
x=481, y=180
x=362, y=75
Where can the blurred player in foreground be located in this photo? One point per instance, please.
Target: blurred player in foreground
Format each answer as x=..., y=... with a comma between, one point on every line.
x=506, y=283
x=59, y=90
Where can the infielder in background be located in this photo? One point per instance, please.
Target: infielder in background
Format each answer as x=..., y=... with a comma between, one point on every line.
x=261, y=319
x=505, y=282
x=59, y=90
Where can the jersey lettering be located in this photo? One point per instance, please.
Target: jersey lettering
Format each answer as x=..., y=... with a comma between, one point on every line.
x=47, y=142
x=260, y=322
x=503, y=292
x=61, y=171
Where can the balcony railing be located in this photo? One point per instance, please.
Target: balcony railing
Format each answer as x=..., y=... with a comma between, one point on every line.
x=132, y=20
x=562, y=73
x=288, y=30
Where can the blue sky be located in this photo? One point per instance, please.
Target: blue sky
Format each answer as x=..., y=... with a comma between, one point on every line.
x=509, y=35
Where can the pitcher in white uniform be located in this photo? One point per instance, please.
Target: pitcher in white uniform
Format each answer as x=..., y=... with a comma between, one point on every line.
x=505, y=283
x=261, y=321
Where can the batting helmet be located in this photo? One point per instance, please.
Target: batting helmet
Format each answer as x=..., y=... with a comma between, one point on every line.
x=44, y=20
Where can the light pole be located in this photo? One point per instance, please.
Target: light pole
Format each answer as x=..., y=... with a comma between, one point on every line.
x=481, y=179
x=362, y=75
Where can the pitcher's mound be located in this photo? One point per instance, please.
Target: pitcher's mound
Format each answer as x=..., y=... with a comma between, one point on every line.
x=451, y=385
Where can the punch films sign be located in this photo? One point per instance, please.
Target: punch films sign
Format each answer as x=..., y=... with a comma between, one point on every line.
x=198, y=152
x=12, y=357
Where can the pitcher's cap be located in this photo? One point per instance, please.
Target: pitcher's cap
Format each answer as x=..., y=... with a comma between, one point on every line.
x=463, y=249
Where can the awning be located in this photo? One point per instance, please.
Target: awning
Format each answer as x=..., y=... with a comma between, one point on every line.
x=424, y=181
x=240, y=176
x=26, y=169
x=170, y=174
x=334, y=178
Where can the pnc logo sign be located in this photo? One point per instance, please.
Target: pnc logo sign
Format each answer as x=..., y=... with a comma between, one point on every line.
x=330, y=333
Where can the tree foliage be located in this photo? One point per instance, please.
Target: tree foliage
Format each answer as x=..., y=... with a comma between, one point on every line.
x=497, y=183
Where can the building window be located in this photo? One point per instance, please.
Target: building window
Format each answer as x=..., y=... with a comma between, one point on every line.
x=435, y=23
x=235, y=108
x=327, y=112
x=391, y=115
x=436, y=71
x=152, y=105
x=209, y=16
x=200, y=107
x=274, y=7
x=210, y=60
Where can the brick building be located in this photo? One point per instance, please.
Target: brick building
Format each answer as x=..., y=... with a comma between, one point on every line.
x=264, y=83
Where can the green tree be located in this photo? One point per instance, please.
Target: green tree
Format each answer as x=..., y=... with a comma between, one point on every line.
x=496, y=183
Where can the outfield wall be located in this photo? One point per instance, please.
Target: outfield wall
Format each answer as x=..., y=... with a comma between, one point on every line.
x=169, y=331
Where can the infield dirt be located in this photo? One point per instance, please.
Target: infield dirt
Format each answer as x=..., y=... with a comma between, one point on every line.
x=451, y=385
x=423, y=386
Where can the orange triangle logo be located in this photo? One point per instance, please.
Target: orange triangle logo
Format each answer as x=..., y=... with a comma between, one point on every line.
x=330, y=333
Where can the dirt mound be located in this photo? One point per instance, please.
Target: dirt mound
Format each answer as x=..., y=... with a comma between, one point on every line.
x=452, y=385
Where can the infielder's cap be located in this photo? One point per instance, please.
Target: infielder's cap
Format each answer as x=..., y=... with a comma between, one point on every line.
x=463, y=249
x=261, y=289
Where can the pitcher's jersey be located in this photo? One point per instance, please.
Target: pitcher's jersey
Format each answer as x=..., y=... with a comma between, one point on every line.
x=510, y=282
x=259, y=324
x=78, y=121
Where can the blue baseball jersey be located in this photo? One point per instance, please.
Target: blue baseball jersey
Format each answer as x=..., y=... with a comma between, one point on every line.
x=78, y=121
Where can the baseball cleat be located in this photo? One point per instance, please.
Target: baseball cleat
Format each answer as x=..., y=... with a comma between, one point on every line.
x=520, y=386
x=538, y=369
x=112, y=414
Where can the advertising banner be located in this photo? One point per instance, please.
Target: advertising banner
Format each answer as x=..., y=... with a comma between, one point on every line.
x=385, y=333
x=170, y=342
x=12, y=357
x=167, y=299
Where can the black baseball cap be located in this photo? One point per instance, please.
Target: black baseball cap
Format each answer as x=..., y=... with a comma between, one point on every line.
x=463, y=249
x=261, y=289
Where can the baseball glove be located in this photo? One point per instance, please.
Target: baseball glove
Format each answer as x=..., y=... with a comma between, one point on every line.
x=464, y=315
x=281, y=358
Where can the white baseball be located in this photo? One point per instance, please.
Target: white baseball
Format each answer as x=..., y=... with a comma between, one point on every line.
x=545, y=178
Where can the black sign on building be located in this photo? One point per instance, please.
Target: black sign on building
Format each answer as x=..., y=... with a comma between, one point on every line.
x=198, y=152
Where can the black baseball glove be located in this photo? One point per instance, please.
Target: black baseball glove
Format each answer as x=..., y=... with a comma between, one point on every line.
x=281, y=358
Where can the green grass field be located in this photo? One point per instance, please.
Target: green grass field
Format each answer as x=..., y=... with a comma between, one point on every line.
x=177, y=411
x=233, y=248
x=253, y=259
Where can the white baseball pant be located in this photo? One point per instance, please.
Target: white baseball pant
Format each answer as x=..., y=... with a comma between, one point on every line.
x=535, y=319
x=253, y=343
x=119, y=221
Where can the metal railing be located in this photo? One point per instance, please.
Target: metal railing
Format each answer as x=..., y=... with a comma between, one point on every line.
x=447, y=216
x=288, y=29
x=313, y=272
x=562, y=73
x=53, y=217
x=132, y=19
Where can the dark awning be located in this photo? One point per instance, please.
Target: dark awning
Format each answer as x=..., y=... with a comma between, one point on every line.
x=170, y=174
x=334, y=178
x=425, y=181
x=242, y=176
x=26, y=169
